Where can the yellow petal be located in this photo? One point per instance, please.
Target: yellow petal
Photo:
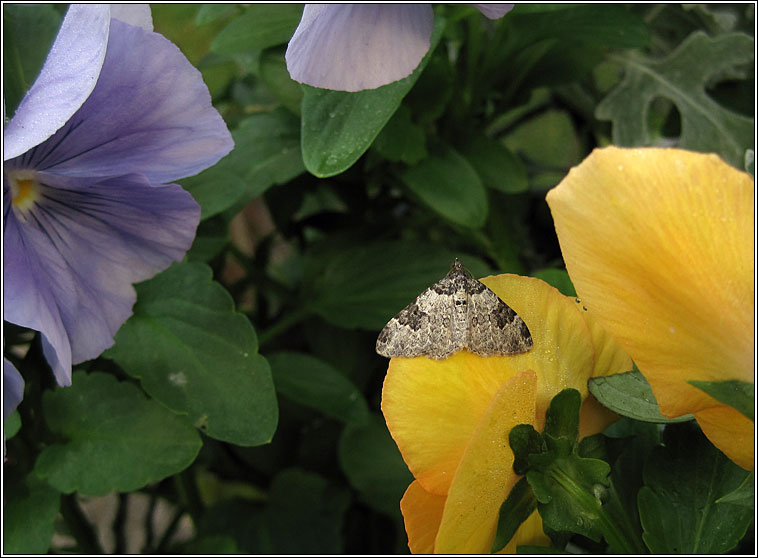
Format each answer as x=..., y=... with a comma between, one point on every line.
x=529, y=532
x=422, y=513
x=563, y=353
x=731, y=432
x=659, y=245
x=610, y=358
x=485, y=475
x=432, y=407
x=594, y=417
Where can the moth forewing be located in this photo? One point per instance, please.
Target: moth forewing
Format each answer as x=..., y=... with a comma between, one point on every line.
x=457, y=312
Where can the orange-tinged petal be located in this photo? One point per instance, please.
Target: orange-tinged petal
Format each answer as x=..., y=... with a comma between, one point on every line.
x=422, y=513
x=432, y=407
x=485, y=475
x=659, y=245
x=731, y=432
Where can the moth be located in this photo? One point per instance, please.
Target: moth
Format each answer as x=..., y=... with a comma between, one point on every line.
x=457, y=312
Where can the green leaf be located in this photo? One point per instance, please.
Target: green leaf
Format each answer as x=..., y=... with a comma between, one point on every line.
x=242, y=520
x=314, y=383
x=678, y=504
x=208, y=13
x=260, y=26
x=266, y=152
x=206, y=546
x=195, y=354
x=113, y=437
x=496, y=165
x=373, y=465
x=433, y=90
x=306, y=513
x=558, y=278
x=447, y=183
x=28, y=33
x=214, y=189
x=516, y=509
x=218, y=72
x=364, y=286
x=401, y=140
x=682, y=78
x=212, y=235
x=30, y=507
x=176, y=22
x=540, y=550
x=625, y=483
x=612, y=26
x=743, y=495
x=629, y=394
x=273, y=70
x=562, y=416
x=12, y=425
x=339, y=126
x=548, y=139
x=734, y=393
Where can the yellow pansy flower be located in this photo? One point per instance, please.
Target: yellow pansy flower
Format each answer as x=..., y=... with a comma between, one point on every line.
x=659, y=244
x=451, y=418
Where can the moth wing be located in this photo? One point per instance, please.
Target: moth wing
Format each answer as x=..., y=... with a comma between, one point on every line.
x=494, y=328
x=424, y=327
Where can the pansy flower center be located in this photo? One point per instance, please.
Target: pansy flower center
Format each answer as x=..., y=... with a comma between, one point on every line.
x=25, y=191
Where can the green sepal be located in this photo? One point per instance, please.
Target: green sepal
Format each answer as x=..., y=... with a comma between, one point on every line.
x=524, y=441
x=516, y=509
x=562, y=417
x=570, y=489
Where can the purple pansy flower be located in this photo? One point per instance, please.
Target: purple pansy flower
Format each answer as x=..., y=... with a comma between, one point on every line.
x=115, y=114
x=350, y=47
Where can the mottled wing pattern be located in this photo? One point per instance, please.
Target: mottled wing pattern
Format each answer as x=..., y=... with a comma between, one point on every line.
x=422, y=328
x=494, y=328
x=455, y=313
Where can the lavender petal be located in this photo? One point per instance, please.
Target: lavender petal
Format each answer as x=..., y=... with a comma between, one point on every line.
x=494, y=11
x=350, y=47
x=13, y=388
x=150, y=113
x=133, y=14
x=67, y=78
x=69, y=268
